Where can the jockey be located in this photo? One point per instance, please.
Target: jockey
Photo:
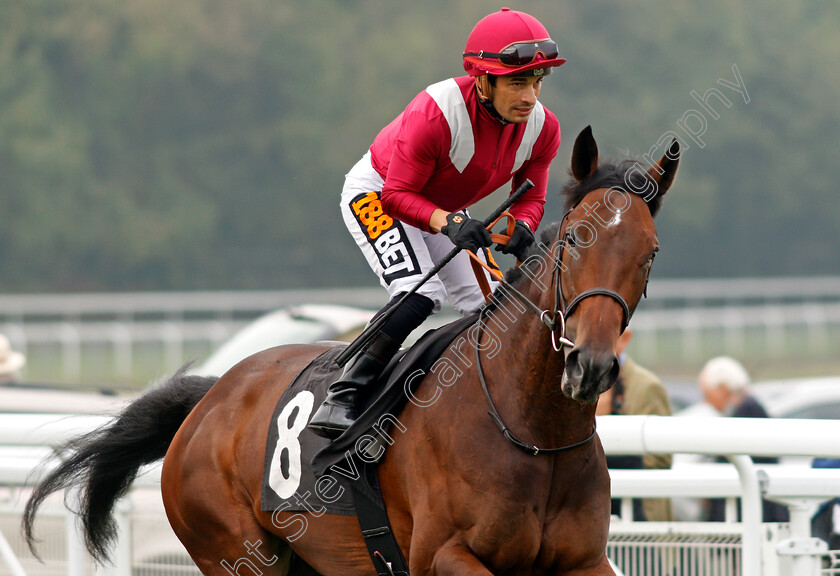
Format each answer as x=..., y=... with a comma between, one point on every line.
x=405, y=201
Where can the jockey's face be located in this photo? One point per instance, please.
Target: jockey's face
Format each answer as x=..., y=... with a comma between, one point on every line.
x=514, y=97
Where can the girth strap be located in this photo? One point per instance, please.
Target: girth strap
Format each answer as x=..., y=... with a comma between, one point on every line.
x=376, y=528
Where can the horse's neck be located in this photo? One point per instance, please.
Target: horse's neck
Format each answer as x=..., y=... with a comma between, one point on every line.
x=525, y=374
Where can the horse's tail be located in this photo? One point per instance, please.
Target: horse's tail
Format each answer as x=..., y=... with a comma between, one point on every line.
x=104, y=463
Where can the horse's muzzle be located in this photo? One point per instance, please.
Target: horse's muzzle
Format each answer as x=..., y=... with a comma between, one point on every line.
x=588, y=373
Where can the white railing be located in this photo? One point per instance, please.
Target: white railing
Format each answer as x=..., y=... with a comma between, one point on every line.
x=732, y=291
x=26, y=307
x=689, y=313
x=146, y=545
x=662, y=293
x=757, y=549
x=681, y=322
x=801, y=489
x=142, y=334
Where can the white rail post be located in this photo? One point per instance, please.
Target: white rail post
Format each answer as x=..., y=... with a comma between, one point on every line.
x=805, y=551
x=71, y=351
x=692, y=326
x=8, y=555
x=123, y=551
x=751, y=515
x=76, y=552
x=712, y=436
x=123, y=361
x=734, y=338
x=173, y=338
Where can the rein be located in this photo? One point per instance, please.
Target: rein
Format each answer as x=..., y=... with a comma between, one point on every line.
x=494, y=413
x=548, y=317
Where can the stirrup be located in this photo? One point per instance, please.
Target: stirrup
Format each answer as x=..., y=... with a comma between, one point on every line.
x=326, y=424
x=338, y=410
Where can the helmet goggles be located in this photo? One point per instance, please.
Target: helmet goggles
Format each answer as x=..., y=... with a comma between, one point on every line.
x=521, y=53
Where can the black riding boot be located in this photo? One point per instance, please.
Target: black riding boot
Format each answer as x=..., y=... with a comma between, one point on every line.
x=340, y=408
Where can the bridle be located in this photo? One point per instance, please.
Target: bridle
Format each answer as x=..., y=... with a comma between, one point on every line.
x=569, y=308
x=561, y=311
x=552, y=319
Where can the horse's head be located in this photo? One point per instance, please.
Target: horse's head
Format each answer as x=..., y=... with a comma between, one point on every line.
x=605, y=246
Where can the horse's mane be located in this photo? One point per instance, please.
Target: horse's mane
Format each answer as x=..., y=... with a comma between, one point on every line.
x=515, y=275
x=620, y=175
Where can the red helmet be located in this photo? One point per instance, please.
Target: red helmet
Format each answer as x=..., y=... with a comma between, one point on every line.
x=508, y=42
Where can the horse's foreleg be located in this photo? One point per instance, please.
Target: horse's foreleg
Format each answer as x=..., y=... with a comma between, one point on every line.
x=455, y=560
x=459, y=560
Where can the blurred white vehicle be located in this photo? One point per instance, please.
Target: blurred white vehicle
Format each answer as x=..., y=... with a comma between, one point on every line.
x=817, y=398
x=298, y=325
x=301, y=325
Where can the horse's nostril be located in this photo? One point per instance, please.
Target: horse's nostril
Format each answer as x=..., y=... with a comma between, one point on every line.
x=574, y=369
x=614, y=370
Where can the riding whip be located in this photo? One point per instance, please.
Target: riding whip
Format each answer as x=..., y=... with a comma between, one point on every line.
x=377, y=324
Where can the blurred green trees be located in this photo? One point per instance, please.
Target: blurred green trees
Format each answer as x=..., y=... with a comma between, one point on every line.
x=202, y=144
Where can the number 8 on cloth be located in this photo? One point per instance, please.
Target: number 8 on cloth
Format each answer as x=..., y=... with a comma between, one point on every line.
x=284, y=477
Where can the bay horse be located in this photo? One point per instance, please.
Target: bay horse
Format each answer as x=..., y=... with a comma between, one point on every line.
x=463, y=496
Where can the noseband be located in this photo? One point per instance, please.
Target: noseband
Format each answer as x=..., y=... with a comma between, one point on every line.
x=552, y=319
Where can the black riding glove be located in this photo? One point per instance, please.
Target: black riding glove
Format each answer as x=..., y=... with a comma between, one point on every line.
x=466, y=233
x=519, y=242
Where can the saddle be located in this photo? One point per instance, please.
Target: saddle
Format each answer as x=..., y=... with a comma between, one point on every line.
x=307, y=473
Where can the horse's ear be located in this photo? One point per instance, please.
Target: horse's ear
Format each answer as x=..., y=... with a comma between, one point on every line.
x=584, y=155
x=664, y=171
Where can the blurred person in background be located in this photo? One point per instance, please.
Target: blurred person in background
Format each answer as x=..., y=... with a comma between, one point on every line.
x=10, y=362
x=825, y=524
x=405, y=201
x=611, y=402
x=724, y=383
x=645, y=394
